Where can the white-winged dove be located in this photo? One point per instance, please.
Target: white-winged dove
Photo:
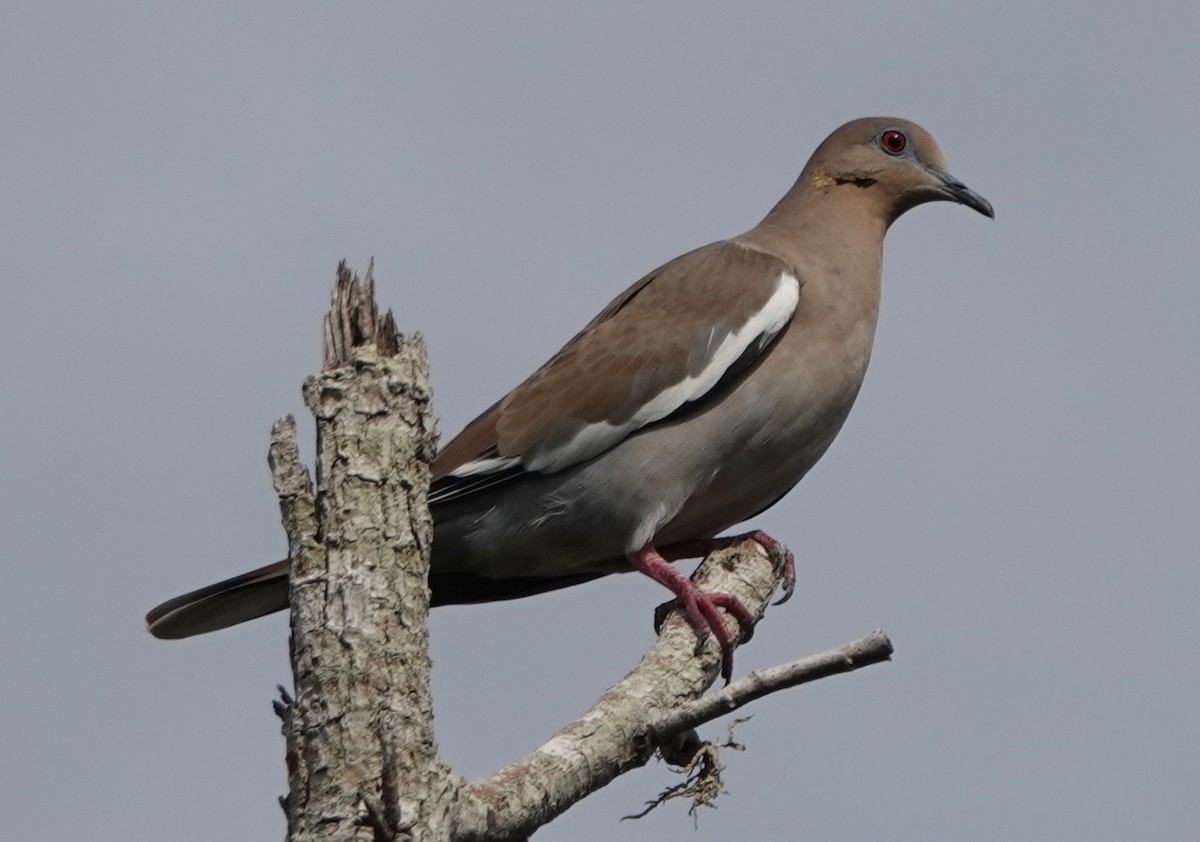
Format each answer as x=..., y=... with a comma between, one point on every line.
x=695, y=400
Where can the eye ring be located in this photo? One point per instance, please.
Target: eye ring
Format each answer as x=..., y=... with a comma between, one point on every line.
x=893, y=142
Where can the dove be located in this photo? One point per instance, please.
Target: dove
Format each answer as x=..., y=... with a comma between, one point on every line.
x=694, y=401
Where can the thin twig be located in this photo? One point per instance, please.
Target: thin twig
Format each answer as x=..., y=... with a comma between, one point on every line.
x=865, y=651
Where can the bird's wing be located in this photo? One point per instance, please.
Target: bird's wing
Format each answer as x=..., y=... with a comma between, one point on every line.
x=663, y=344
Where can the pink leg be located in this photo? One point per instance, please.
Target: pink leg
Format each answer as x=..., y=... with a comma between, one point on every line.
x=700, y=607
x=779, y=554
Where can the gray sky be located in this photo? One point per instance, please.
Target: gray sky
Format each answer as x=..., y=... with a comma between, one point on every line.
x=1014, y=498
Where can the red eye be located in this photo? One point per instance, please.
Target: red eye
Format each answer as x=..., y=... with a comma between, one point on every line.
x=893, y=142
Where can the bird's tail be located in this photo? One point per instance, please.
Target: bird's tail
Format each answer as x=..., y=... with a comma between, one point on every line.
x=245, y=597
x=265, y=591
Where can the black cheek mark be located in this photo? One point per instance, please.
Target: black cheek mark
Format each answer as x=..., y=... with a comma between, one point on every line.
x=857, y=182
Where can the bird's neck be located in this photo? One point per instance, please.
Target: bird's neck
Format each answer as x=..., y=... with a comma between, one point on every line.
x=836, y=230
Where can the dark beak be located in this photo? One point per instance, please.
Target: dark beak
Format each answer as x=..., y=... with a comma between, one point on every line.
x=956, y=191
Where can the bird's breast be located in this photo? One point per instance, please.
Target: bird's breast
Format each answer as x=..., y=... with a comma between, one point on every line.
x=790, y=408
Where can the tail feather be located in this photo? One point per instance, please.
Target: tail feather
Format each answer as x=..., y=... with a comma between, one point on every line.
x=245, y=597
x=265, y=591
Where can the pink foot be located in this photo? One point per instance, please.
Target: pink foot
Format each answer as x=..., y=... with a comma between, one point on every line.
x=779, y=554
x=700, y=607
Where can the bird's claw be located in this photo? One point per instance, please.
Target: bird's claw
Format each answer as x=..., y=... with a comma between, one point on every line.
x=700, y=608
x=782, y=558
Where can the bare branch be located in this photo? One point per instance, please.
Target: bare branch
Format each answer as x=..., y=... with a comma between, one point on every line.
x=872, y=649
x=633, y=717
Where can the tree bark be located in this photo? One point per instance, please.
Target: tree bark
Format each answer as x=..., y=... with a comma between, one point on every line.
x=362, y=759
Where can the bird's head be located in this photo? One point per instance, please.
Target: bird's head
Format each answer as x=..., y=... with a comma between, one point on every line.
x=890, y=164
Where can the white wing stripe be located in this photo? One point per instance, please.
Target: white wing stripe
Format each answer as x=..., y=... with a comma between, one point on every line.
x=593, y=439
x=489, y=465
